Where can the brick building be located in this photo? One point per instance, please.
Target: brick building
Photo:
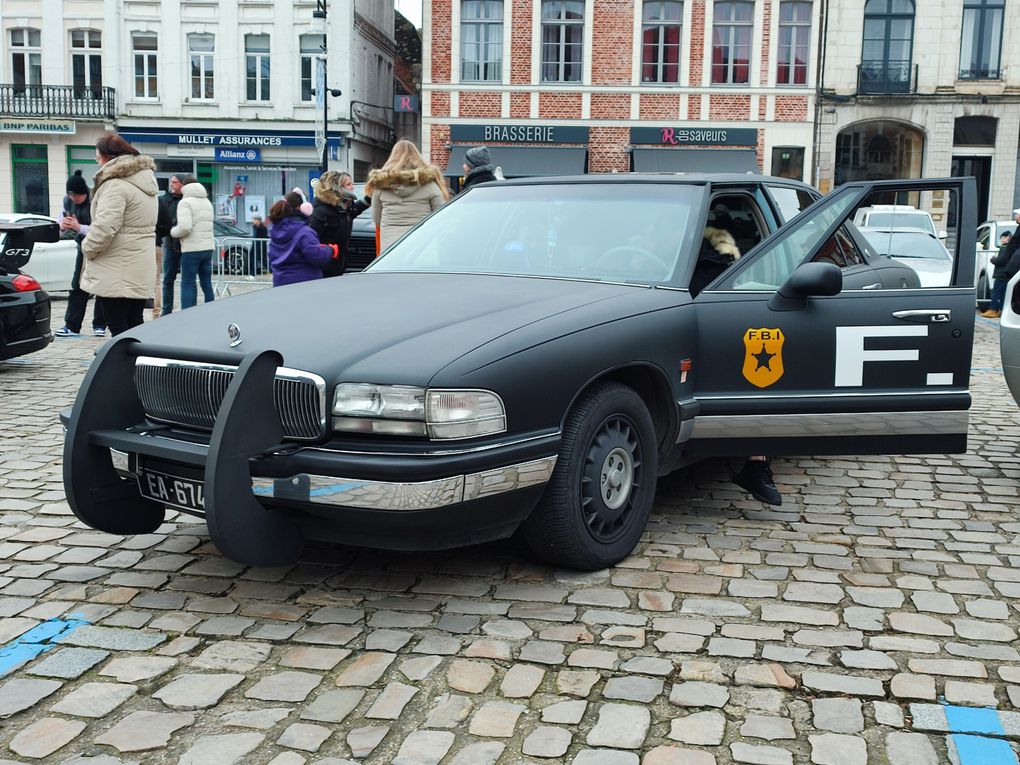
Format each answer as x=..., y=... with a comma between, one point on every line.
x=619, y=85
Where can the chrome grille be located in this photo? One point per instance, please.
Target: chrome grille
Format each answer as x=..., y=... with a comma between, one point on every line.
x=190, y=394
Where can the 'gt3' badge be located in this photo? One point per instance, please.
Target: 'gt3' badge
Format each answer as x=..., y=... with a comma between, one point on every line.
x=763, y=356
x=234, y=333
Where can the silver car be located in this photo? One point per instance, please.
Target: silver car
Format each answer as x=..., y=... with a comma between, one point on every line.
x=1009, y=337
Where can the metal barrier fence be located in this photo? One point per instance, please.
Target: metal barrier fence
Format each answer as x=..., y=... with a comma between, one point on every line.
x=241, y=264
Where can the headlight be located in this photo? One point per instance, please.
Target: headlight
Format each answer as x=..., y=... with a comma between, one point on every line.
x=411, y=411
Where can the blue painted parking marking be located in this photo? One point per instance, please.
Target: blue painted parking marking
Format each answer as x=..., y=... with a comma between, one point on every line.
x=41, y=638
x=978, y=750
x=974, y=720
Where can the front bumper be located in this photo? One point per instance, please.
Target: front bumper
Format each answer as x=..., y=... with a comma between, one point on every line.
x=254, y=482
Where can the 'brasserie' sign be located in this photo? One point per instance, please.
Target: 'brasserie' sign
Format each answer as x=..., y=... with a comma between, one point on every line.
x=518, y=134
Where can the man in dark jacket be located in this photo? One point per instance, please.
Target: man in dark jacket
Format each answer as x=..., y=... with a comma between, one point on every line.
x=75, y=224
x=478, y=167
x=166, y=220
x=333, y=213
x=1007, y=263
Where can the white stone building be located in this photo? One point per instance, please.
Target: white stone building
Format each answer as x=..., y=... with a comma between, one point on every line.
x=222, y=89
x=923, y=89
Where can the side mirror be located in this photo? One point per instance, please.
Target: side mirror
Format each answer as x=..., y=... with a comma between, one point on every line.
x=808, y=280
x=943, y=234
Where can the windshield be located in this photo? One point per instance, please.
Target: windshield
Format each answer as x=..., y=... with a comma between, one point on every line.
x=892, y=220
x=605, y=232
x=229, y=229
x=904, y=244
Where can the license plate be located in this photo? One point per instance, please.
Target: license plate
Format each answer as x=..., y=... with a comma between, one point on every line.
x=183, y=493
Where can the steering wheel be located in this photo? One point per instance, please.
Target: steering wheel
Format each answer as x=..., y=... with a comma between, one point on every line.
x=645, y=263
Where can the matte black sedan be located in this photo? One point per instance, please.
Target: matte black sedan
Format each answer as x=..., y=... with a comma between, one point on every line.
x=24, y=306
x=529, y=357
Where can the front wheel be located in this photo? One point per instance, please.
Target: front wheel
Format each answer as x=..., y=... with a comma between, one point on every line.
x=983, y=293
x=597, y=502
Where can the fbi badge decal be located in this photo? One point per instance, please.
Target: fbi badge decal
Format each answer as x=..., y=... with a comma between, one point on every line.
x=763, y=356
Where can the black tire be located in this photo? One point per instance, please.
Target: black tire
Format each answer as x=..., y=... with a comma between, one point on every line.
x=608, y=435
x=984, y=295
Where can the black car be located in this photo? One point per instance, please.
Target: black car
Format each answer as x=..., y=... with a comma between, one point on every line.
x=24, y=306
x=239, y=253
x=529, y=356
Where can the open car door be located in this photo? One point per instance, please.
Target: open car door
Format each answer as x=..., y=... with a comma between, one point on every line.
x=792, y=359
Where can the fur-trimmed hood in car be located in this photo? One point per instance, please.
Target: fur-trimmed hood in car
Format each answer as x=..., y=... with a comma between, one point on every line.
x=722, y=242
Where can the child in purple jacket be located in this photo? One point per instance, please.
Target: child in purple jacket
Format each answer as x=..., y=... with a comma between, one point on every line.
x=295, y=254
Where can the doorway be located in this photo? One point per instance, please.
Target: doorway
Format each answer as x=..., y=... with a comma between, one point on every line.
x=981, y=169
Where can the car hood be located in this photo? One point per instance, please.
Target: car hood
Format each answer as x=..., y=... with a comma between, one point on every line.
x=932, y=273
x=395, y=328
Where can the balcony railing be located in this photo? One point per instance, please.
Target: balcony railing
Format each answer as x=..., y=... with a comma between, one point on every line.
x=58, y=102
x=886, y=77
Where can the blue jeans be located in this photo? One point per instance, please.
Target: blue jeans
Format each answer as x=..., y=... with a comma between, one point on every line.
x=171, y=266
x=192, y=264
x=998, y=295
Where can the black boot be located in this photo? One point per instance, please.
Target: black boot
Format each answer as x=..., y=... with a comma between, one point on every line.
x=756, y=479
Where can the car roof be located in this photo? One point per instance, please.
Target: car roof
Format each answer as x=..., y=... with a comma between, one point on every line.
x=699, y=179
x=893, y=208
x=15, y=217
x=999, y=223
x=897, y=230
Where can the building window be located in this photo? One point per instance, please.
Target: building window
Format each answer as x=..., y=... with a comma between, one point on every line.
x=26, y=59
x=888, y=46
x=481, y=40
x=311, y=49
x=87, y=63
x=200, y=52
x=660, y=40
x=788, y=162
x=256, y=67
x=31, y=178
x=731, y=42
x=562, y=40
x=794, y=43
x=981, y=46
x=143, y=51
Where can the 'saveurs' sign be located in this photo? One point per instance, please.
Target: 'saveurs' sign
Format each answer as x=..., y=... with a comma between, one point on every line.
x=694, y=136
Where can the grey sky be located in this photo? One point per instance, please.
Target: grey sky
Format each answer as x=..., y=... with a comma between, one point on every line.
x=411, y=10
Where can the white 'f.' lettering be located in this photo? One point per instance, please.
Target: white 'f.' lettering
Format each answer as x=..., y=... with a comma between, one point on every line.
x=851, y=354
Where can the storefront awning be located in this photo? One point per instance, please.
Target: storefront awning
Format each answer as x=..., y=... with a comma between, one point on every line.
x=695, y=161
x=525, y=161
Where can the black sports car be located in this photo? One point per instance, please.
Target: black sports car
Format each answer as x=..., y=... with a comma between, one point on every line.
x=530, y=356
x=24, y=306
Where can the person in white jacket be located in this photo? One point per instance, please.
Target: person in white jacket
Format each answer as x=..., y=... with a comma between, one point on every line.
x=194, y=229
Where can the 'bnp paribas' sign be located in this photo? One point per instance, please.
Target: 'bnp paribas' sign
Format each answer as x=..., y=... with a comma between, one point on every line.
x=705, y=135
x=529, y=134
x=14, y=125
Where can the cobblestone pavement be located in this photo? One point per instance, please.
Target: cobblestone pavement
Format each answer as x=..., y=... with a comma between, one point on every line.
x=869, y=619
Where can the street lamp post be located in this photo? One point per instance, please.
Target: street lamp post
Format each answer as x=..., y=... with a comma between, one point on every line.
x=321, y=91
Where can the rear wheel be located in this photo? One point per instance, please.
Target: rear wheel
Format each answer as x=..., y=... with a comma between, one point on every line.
x=597, y=502
x=235, y=260
x=984, y=293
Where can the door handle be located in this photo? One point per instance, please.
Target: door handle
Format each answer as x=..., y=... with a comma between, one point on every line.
x=926, y=315
x=875, y=286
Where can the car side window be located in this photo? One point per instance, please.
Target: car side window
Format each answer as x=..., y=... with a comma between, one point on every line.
x=982, y=237
x=841, y=250
x=791, y=202
x=737, y=214
x=773, y=266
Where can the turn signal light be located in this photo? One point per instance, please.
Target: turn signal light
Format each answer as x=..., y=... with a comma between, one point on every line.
x=23, y=283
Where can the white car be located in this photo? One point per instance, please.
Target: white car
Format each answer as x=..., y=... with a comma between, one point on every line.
x=896, y=218
x=1009, y=337
x=920, y=250
x=988, y=234
x=52, y=264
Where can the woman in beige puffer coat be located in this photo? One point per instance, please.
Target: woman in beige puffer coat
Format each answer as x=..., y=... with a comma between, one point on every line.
x=118, y=268
x=194, y=229
x=403, y=192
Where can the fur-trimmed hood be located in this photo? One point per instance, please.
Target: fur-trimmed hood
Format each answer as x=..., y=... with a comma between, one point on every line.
x=137, y=169
x=722, y=242
x=394, y=179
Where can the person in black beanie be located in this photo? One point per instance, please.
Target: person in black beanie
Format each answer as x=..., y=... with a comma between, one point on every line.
x=478, y=167
x=74, y=223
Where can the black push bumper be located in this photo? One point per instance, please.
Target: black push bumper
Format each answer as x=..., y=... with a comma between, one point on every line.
x=262, y=496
